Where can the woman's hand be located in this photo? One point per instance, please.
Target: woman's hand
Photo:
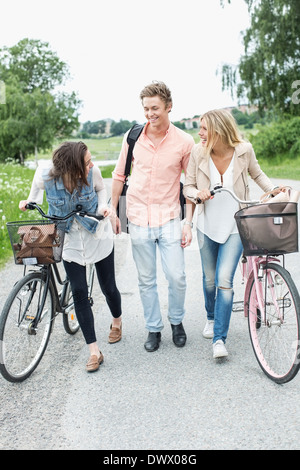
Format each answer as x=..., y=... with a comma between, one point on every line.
x=279, y=189
x=114, y=219
x=107, y=212
x=204, y=195
x=22, y=205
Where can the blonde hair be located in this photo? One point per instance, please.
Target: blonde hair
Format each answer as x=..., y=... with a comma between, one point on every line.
x=221, y=123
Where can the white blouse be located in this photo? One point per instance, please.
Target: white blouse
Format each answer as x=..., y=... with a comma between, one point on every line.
x=80, y=245
x=217, y=218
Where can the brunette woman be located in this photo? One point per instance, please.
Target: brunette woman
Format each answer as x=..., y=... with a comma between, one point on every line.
x=73, y=179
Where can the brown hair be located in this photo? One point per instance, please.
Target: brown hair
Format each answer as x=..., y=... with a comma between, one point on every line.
x=157, y=89
x=68, y=159
x=221, y=123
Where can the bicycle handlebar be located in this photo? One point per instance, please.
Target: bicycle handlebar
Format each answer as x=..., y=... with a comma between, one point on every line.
x=78, y=211
x=219, y=189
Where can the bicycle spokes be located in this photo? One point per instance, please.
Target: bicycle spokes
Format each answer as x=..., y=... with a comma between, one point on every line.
x=25, y=327
x=274, y=328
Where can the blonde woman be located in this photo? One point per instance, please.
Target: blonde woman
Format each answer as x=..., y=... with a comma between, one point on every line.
x=221, y=157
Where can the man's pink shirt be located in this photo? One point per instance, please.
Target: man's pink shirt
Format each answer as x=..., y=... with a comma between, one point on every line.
x=153, y=193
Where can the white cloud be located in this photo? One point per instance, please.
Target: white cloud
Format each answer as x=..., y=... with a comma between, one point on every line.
x=116, y=47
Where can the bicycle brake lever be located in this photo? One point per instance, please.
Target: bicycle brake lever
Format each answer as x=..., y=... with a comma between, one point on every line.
x=95, y=216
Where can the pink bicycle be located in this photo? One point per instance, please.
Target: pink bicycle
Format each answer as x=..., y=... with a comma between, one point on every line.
x=271, y=299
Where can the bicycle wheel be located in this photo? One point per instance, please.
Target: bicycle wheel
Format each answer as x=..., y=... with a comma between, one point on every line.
x=21, y=345
x=275, y=333
x=70, y=321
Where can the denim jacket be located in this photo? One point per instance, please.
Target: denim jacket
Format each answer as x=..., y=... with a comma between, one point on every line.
x=61, y=202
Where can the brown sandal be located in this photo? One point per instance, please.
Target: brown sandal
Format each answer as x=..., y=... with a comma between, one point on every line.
x=94, y=362
x=115, y=334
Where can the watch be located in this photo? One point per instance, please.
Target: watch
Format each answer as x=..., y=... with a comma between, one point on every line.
x=188, y=223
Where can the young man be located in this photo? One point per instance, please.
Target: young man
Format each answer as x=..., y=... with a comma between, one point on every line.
x=159, y=156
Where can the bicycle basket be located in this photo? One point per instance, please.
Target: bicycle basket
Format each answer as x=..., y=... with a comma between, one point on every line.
x=268, y=228
x=36, y=241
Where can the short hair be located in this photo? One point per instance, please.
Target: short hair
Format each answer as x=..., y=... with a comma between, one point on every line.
x=157, y=89
x=221, y=123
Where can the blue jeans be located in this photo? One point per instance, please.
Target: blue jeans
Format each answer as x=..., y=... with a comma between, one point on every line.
x=219, y=263
x=145, y=241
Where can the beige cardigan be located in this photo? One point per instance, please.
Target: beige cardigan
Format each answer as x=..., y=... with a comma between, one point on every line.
x=245, y=162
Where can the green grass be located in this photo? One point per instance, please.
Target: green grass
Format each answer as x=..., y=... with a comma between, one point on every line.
x=101, y=149
x=15, y=183
x=281, y=168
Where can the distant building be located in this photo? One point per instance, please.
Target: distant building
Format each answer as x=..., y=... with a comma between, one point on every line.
x=189, y=123
x=244, y=108
x=108, y=124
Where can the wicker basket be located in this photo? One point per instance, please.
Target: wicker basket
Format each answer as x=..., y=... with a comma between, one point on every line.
x=269, y=228
x=36, y=241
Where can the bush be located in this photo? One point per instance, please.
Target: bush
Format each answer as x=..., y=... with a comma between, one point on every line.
x=278, y=138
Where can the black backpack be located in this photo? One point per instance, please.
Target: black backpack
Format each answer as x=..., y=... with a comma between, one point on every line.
x=132, y=137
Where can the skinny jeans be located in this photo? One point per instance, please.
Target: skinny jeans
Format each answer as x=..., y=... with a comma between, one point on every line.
x=219, y=263
x=106, y=276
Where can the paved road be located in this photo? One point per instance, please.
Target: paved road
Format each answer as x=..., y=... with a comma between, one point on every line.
x=173, y=399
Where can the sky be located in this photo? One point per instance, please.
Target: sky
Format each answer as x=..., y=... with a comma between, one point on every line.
x=115, y=47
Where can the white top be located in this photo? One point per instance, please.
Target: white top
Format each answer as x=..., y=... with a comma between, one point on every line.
x=80, y=245
x=217, y=218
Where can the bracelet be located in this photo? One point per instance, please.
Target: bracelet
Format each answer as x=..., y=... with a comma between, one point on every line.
x=188, y=223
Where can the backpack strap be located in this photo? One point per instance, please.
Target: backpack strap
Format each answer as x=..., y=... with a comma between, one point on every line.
x=132, y=137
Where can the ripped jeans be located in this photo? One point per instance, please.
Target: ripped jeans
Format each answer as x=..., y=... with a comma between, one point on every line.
x=219, y=263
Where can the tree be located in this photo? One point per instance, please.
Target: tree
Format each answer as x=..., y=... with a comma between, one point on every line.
x=267, y=72
x=97, y=127
x=180, y=125
x=119, y=128
x=34, y=64
x=33, y=115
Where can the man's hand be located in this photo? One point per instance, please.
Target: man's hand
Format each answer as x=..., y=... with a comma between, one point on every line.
x=187, y=236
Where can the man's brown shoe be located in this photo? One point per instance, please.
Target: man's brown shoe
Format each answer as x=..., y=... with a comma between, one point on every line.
x=115, y=334
x=94, y=362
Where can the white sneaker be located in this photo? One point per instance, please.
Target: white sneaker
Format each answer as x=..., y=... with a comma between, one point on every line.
x=219, y=349
x=208, y=331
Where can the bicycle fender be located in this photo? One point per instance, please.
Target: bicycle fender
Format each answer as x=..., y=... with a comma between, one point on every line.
x=247, y=293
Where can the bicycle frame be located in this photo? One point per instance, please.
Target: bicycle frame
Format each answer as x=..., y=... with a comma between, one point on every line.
x=272, y=304
x=254, y=271
x=51, y=274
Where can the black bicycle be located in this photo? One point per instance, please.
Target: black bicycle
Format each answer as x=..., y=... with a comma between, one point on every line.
x=28, y=315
